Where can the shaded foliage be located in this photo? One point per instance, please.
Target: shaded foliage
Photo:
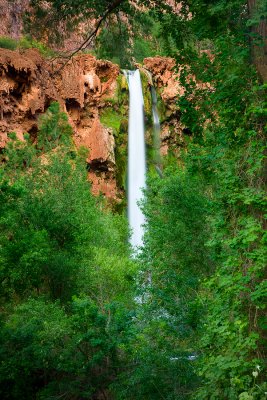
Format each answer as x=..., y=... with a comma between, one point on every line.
x=59, y=335
x=173, y=262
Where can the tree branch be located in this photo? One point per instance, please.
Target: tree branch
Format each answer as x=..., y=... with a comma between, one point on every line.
x=89, y=38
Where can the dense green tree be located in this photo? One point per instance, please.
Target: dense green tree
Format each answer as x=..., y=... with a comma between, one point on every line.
x=66, y=275
x=228, y=122
x=117, y=43
x=173, y=262
x=48, y=351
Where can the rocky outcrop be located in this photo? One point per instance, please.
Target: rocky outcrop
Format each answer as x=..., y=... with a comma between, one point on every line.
x=29, y=84
x=90, y=92
x=166, y=78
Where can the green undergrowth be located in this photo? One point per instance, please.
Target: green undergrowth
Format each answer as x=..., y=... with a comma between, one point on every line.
x=8, y=43
x=110, y=118
x=61, y=324
x=25, y=43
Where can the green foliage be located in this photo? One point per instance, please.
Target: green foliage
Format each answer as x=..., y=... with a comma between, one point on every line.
x=25, y=43
x=110, y=118
x=113, y=44
x=65, y=272
x=54, y=129
x=149, y=41
x=173, y=261
x=61, y=353
x=39, y=230
x=121, y=159
x=229, y=125
x=117, y=43
x=8, y=43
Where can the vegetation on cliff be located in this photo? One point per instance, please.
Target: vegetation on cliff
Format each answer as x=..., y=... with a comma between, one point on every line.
x=187, y=318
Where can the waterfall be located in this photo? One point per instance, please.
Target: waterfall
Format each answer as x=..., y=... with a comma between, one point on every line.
x=156, y=122
x=136, y=158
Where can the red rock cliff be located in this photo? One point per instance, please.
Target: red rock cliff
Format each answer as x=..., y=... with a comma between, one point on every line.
x=27, y=87
x=84, y=87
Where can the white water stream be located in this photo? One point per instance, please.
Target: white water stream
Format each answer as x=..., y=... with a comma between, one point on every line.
x=156, y=137
x=136, y=158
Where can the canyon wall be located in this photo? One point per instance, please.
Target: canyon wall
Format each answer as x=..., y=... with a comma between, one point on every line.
x=28, y=85
x=11, y=25
x=94, y=95
x=11, y=17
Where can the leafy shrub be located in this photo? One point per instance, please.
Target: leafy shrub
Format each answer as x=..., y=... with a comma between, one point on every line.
x=66, y=275
x=28, y=43
x=8, y=43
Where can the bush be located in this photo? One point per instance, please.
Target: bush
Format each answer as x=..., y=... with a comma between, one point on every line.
x=28, y=43
x=8, y=43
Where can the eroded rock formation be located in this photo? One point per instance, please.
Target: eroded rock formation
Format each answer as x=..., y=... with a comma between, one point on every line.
x=28, y=85
x=166, y=78
x=87, y=89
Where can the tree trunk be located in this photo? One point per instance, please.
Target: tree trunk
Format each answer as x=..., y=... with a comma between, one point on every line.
x=258, y=40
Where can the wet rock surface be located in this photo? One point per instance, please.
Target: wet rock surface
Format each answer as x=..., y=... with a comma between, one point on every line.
x=166, y=79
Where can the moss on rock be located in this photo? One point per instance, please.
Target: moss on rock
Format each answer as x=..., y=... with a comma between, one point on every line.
x=115, y=116
x=146, y=94
x=110, y=118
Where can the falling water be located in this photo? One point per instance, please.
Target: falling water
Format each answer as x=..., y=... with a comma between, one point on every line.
x=156, y=122
x=136, y=158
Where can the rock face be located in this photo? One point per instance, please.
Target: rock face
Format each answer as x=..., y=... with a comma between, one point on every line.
x=87, y=89
x=11, y=17
x=28, y=85
x=165, y=77
x=11, y=25
x=166, y=80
